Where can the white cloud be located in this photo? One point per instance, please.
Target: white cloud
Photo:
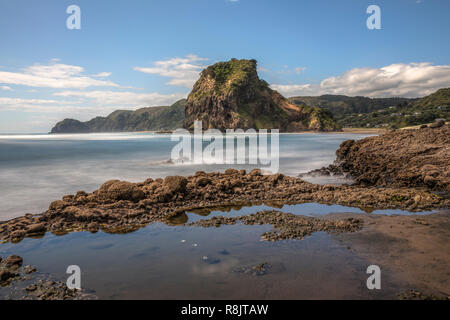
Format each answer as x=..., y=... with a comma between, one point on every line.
x=54, y=75
x=261, y=69
x=181, y=71
x=34, y=105
x=403, y=80
x=103, y=74
x=290, y=90
x=299, y=70
x=6, y=88
x=123, y=99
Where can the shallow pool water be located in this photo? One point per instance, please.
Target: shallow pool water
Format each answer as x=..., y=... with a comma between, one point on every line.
x=180, y=262
x=305, y=209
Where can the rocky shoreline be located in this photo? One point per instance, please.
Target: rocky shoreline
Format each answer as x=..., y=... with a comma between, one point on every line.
x=119, y=206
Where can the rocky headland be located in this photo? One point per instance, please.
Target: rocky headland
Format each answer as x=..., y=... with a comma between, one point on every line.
x=230, y=95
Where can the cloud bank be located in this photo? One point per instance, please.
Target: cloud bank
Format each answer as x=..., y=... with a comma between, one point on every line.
x=55, y=75
x=396, y=80
x=181, y=71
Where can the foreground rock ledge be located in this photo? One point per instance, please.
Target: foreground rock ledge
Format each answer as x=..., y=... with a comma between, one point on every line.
x=120, y=206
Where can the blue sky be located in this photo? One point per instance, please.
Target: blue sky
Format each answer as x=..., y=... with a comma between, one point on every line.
x=130, y=54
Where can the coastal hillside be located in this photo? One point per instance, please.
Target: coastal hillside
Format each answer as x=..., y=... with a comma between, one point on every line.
x=230, y=95
x=358, y=112
x=144, y=119
x=340, y=105
x=422, y=111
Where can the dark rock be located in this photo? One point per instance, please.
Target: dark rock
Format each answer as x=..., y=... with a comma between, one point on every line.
x=34, y=229
x=231, y=171
x=121, y=190
x=93, y=227
x=203, y=181
x=275, y=178
x=13, y=261
x=58, y=205
x=255, y=172
x=31, y=287
x=175, y=184
x=5, y=275
x=17, y=234
x=29, y=269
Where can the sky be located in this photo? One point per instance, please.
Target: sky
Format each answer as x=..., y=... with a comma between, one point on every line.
x=140, y=53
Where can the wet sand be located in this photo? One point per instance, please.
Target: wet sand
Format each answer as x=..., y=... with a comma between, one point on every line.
x=414, y=249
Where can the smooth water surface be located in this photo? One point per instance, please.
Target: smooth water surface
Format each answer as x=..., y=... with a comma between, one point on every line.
x=178, y=262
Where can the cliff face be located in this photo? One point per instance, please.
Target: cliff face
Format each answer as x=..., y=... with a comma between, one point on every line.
x=145, y=119
x=230, y=95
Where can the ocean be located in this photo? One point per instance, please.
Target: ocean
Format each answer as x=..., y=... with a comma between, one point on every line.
x=36, y=169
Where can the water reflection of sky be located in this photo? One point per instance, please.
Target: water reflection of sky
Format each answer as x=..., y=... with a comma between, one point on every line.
x=306, y=209
x=175, y=262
